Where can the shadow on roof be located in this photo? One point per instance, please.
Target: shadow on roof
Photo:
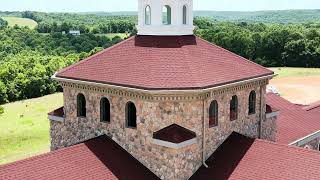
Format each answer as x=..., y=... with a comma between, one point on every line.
x=117, y=160
x=165, y=41
x=225, y=159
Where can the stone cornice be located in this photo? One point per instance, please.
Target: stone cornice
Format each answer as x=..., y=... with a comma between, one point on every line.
x=165, y=95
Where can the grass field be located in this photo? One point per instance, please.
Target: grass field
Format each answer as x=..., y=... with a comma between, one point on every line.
x=298, y=85
x=25, y=127
x=20, y=22
x=112, y=35
x=296, y=72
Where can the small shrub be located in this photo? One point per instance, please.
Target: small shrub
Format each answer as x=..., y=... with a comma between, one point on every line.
x=1, y=110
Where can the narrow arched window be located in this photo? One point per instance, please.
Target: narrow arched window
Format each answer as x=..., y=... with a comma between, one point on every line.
x=104, y=110
x=81, y=105
x=147, y=15
x=234, y=108
x=213, y=114
x=184, y=15
x=131, y=115
x=252, y=102
x=166, y=15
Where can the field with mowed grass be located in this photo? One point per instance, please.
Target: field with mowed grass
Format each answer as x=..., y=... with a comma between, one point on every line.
x=24, y=127
x=12, y=21
x=298, y=85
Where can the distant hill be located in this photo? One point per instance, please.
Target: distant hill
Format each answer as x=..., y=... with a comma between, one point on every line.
x=279, y=16
x=20, y=22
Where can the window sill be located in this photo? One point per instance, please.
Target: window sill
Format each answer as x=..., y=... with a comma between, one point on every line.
x=213, y=126
x=105, y=122
x=134, y=128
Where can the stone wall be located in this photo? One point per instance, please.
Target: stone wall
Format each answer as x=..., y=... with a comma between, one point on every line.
x=153, y=115
x=313, y=144
x=269, y=127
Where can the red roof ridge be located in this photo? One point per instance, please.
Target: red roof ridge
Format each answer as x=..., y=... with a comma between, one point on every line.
x=312, y=106
x=42, y=155
x=288, y=146
x=233, y=54
x=95, y=55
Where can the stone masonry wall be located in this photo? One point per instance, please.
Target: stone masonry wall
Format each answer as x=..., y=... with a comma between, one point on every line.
x=152, y=116
x=269, y=130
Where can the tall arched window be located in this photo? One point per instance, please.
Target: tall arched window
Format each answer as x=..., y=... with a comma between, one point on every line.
x=166, y=15
x=184, y=15
x=104, y=110
x=213, y=114
x=81, y=105
x=252, y=102
x=131, y=115
x=147, y=15
x=234, y=108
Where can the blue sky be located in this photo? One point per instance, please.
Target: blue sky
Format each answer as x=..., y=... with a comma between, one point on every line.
x=131, y=5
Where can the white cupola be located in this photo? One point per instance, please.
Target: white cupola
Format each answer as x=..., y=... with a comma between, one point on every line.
x=165, y=17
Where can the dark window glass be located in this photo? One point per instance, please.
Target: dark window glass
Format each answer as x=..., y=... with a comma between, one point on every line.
x=81, y=105
x=213, y=114
x=131, y=115
x=104, y=110
x=234, y=108
x=252, y=102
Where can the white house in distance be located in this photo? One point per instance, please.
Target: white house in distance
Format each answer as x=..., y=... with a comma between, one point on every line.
x=165, y=104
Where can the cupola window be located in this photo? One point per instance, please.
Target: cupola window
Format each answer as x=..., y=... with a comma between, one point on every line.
x=166, y=15
x=234, y=108
x=147, y=15
x=131, y=115
x=81, y=105
x=184, y=15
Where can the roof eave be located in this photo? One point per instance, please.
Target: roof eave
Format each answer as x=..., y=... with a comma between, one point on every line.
x=162, y=91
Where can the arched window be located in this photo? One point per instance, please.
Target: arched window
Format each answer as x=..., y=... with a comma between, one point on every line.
x=81, y=105
x=166, y=15
x=234, y=108
x=213, y=114
x=184, y=15
x=104, y=110
x=252, y=102
x=131, y=116
x=147, y=15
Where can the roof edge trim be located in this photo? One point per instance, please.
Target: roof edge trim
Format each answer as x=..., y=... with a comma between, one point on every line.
x=306, y=139
x=164, y=91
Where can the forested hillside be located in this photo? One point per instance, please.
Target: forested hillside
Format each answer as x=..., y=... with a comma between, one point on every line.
x=28, y=59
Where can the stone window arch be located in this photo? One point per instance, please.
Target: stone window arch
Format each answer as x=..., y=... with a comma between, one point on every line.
x=81, y=106
x=234, y=108
x=252, y=102
x=185, y=15
x=213, y=114
x=131, y=115
x=147, y=15
x=166, y=15
x=104, y=110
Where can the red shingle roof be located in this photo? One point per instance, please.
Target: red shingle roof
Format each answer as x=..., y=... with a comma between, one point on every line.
x=58, y=112
x=164, y=62
x=99, y=158
x=293, y=121
x=243, y=158
x=175, y=134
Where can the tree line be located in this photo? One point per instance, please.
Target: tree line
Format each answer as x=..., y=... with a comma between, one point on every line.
x=271, y=45
x=28, y=59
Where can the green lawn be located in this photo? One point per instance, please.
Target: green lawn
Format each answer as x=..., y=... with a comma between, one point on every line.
x=24, y=127
x=296, y=72
x=20, y=22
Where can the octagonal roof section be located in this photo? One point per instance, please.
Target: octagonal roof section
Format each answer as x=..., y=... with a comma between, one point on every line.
x=164, y=63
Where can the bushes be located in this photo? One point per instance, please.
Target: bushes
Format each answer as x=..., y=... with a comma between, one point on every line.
x=1, y=110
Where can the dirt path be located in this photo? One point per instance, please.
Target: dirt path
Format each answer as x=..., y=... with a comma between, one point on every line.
x=300, y=90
